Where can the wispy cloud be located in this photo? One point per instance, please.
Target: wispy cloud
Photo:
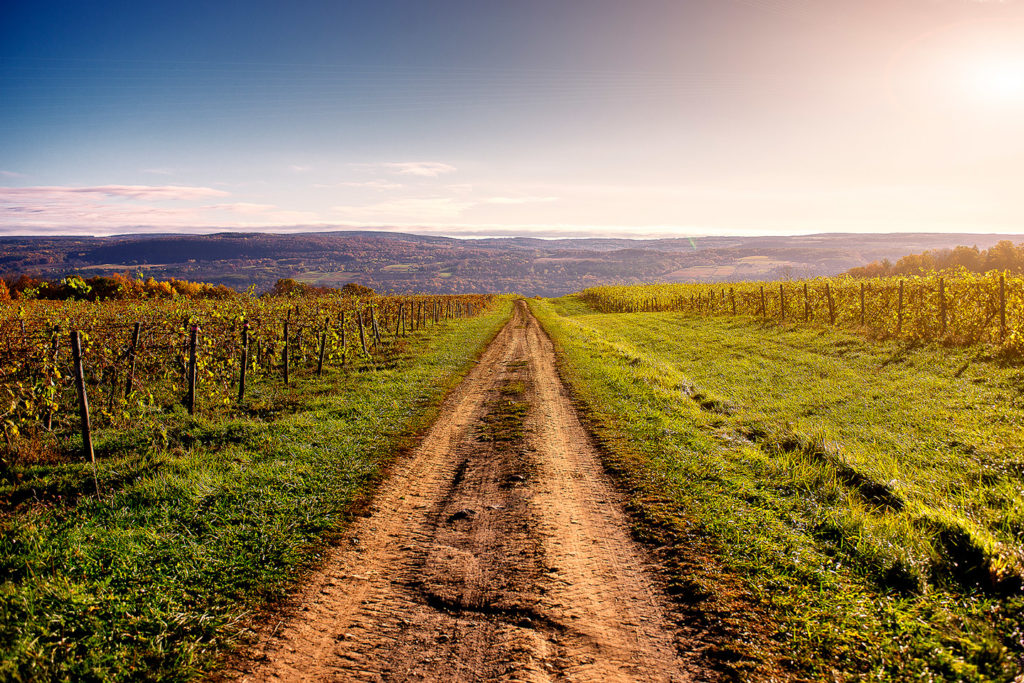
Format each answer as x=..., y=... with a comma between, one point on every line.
x=299, y=168
x=107, y=208
x=368, y=184
x=518, y=200
x=426, y=209
x=147, y=192
x=244, y=207
x=421, y=209
x=11, y=174
x=423, y=169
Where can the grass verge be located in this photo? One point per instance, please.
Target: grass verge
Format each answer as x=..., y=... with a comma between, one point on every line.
x=835, y=508
x=203, y=522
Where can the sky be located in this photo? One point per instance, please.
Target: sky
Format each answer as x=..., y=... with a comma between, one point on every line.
x=534, y=117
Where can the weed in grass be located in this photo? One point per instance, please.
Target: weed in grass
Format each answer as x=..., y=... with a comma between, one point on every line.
x=503, y=419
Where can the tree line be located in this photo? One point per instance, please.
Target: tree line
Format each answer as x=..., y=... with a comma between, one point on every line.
x=1004, y=256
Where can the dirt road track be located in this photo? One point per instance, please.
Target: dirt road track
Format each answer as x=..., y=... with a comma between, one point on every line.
x=497, y=550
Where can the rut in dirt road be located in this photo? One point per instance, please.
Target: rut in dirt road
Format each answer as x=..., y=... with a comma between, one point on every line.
x=497, y=551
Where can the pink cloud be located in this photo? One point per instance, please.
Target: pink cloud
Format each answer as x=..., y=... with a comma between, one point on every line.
x=149, y=192
x=115, y=208
x=406, y=209
x=243, y=207
x=371, y=185
x=424, y=169
x=518, y=200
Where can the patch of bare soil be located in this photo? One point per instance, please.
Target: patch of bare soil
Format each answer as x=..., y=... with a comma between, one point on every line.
x=498, y=550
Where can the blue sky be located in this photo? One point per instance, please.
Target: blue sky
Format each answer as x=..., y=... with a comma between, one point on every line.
x=575, y=117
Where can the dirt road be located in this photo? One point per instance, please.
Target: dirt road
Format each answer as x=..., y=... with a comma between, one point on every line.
x=497, y=550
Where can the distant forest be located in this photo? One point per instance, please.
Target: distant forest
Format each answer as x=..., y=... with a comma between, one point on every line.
x=1005, y=255
x=406, y=263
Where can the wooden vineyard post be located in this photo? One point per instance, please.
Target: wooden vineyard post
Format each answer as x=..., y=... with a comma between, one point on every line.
x=130, y=379
x=362, y=333
x=899, y=312
x=344, y=351
x=113, y=389
x=1002, y=308
x=190, y=398
x=373, y=328
x=54, y=345
x=285, y=354
x=764, y=307
x=245, y=361
x=398, y=321
x=942, y=303
x=831, y=304
x=862, y=304
x=732, y=295
x=83, y=404
x=323, y=348
x=782, y=303
x=807, y=304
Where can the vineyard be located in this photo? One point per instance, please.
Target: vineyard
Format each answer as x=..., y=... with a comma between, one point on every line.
x=145, y=546
x=66, y=363
x=867, y=489
x=960, y=308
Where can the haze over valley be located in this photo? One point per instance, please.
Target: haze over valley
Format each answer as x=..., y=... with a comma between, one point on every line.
x=406, y=263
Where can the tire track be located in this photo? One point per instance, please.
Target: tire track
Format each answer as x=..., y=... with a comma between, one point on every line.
x=498, y=550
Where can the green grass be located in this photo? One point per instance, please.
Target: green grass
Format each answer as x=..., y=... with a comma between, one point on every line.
x=860, y=504
x=203, y=522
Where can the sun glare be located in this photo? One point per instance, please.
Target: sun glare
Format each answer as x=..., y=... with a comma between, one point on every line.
x=978, y=64
x=997, y=80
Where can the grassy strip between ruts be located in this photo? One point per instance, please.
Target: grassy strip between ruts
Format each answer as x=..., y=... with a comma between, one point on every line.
x=868, y=497
x=202, y=521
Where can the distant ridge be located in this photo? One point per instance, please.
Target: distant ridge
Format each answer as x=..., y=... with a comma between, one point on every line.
x=404, y=262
